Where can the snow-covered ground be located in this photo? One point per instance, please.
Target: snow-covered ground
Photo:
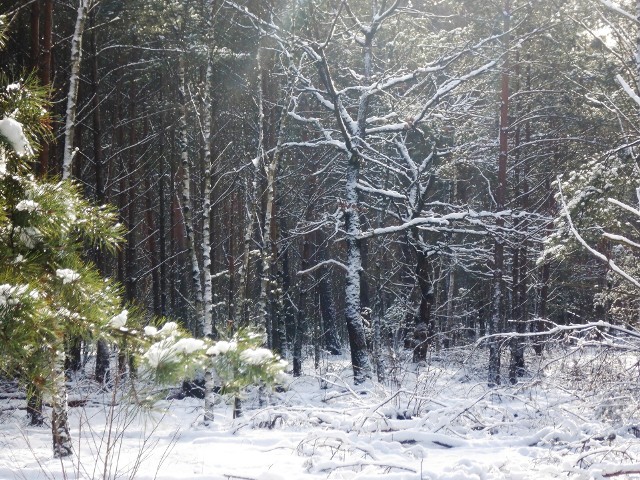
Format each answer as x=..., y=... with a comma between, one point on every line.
x=576, y=416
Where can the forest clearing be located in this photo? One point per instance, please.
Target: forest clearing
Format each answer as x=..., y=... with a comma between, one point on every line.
x=434, y=422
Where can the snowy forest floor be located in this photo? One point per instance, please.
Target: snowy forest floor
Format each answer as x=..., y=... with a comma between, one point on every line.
x=575, y=415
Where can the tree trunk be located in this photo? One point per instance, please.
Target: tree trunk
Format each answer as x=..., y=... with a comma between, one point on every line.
x=424, y=328
x=301, y=315
x=34, y=403
x=520, y=307
x=74, y=82
x=330, y=336
x=35, y=35
x=355, y=327
x=207, y=318
x=45, y=75
x=186, y=196
x=131, y=260
x=62, y=446
x=497, y=296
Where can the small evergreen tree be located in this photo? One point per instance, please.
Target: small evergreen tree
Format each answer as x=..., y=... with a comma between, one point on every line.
x=47, y=290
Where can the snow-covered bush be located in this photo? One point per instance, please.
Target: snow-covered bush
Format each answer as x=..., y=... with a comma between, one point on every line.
x=242, y=361
x=170, y=354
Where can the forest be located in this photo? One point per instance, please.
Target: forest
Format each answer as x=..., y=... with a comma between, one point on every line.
x=392, y=205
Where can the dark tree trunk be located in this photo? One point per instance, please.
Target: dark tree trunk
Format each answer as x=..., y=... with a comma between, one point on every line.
x=102, y=348
x=301, y=316
x=131, y=265
x=73, y=358
x=35, y=34
x=162, y=223
x=497, y=295
x=34, y=404
x=424, y=327
x=45, y=76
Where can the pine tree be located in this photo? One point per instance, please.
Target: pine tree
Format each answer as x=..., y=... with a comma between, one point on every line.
x=48, y=292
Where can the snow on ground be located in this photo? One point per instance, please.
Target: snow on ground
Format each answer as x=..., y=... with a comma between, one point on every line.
x=575, y=417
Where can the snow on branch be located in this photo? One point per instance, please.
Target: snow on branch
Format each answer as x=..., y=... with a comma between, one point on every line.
x=627, y=88
x=323, y=264
x=556, y=329
x=443, y=221
x=621, y=238
x=624, y=205
x=618, y=9
x=12, y=130
x=380, y=191
x=592, y=250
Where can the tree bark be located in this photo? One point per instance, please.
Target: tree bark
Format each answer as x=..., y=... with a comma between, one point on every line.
x=355, y=327
x=45, y=76
x=497, y=296
x=424, y=328
x=74, y=82
x=186, y=195
x=62, y=445
x=35, y=35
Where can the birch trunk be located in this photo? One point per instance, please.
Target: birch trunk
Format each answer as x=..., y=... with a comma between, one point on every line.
x=269, y=253
x=62, y=445
x=187, y=210
x=207, y=317
x=74, y=82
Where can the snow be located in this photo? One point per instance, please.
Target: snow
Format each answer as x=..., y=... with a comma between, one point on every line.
x=222, y=347
x=13, y=132
x=256, y=356
x=27, y=206
x=161, y=352
x=189, y=345
x=119, y=320
x=435, y=421
x=10, y=294
x=168, y=329
x=169, y=350
x=150, y=331
x=28, y=236
x=67, y=275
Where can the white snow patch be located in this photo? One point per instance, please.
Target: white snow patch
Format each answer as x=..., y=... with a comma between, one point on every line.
x=119, y=320
x=222, y=347
x=188, y=345
x=10, y=294
x=256, y=356
x=27, y=206
x=150, y=331
x=67, y=275
x=13, y=132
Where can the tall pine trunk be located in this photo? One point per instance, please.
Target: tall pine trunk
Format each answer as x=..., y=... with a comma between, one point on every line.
x=497, y=294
